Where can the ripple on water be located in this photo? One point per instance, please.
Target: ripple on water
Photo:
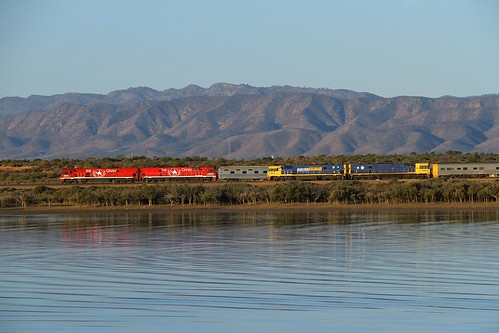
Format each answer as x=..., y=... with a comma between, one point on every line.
x=268, y=271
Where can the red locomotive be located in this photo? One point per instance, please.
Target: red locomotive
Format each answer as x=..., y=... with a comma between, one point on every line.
x=204, y=173
x=81, y=175
x=99, y=174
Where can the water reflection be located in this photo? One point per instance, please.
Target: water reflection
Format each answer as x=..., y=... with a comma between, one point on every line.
x=258, y=271
x=218, y=218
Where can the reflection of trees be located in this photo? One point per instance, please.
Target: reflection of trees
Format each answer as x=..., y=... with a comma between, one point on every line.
x=345, y=233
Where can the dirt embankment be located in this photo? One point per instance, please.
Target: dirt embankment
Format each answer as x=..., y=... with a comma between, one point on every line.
x=253, y=207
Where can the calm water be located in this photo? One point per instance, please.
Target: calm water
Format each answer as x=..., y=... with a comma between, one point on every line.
x=250, y=272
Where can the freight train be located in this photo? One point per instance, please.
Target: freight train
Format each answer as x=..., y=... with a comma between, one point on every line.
x=282, y=172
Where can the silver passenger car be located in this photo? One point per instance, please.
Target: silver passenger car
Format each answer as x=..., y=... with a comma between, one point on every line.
x=466, y=170
x=243, y=172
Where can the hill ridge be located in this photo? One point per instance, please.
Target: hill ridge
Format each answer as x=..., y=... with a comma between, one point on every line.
x=243, y=122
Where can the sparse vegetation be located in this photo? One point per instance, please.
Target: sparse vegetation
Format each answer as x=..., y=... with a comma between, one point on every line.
x=340, y=192
x=43, y=173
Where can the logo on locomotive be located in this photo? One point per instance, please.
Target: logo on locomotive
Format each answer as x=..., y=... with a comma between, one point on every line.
x=173, y=172
x=99, y=173
x=102, y=172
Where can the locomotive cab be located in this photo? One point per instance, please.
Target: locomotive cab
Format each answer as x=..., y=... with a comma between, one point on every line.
x=275, y=171
x=423, y=169
x=67, y=174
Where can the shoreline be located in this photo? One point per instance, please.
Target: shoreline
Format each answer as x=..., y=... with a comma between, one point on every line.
x=251, y=208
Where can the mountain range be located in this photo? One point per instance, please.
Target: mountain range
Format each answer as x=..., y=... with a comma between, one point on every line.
x=243, y=122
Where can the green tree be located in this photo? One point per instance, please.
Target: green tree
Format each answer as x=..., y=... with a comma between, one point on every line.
x=149, y=193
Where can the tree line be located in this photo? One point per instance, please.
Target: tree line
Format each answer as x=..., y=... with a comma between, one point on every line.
x=181, y=194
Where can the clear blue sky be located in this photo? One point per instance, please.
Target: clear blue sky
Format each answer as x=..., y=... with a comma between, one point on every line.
x=390, y=48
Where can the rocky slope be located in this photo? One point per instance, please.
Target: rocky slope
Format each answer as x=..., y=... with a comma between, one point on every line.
x=240, y=121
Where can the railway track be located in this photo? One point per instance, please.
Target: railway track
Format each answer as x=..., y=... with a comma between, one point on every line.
x=262, y=183
x=117, y=184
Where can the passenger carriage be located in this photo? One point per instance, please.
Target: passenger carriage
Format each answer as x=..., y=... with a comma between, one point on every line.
x=243, y=172
x=465, y=170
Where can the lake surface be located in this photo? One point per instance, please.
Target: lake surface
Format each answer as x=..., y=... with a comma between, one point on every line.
x=259, y=271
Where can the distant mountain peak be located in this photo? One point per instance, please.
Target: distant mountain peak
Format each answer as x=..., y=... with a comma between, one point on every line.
x=255, y=122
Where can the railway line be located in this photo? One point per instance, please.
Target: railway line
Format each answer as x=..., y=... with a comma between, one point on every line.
x=258, y=183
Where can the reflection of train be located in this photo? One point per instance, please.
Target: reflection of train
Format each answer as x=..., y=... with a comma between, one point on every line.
x=283, y=172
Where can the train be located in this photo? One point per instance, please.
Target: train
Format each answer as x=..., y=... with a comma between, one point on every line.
x=282, y=172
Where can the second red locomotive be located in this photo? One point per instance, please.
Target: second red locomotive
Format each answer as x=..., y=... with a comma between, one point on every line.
x=178, y=173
